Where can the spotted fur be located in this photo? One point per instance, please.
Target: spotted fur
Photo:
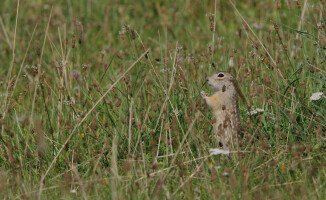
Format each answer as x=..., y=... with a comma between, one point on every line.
x=224, y=106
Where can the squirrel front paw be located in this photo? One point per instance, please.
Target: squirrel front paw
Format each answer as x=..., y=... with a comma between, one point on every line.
x=203, y=94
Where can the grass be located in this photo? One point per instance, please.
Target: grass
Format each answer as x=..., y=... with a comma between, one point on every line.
x=101, y=99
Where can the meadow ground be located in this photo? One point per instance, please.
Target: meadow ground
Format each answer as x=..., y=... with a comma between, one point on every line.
x=101, y=99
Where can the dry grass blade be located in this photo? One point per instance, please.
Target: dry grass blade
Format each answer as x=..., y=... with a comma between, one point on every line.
x=167, y=96
x=260, y=42
x=162, y=178
x=192, y=175
x=10, y=71
x=166, y=93
x=213, y=36
x=21, y=66
x=84, y=118
x=80, y=182
x=40, y=68
x=114, y=169
x=302, y=17
x=5, y=33
x=129, y=127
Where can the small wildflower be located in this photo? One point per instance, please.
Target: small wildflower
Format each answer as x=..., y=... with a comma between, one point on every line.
x=165, y=70
x=75, y=74
x=73, y=191
x=218, y=151
x=211, y=17
x=180, y=60
x=83, y=135
x=255, y=111
x=265, y=60
x=220, y=39
x=225, y=174
x=217, y=167
x=283, y=167
x=123, y=30
x=316, y=96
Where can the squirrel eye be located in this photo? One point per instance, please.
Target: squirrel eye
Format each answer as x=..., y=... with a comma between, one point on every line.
x=220, y=75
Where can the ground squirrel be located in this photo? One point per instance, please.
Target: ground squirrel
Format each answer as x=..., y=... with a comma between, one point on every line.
x=225, y=109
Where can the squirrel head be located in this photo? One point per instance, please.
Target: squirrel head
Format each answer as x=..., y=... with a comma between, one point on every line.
x=221, y=81
x=225, y=82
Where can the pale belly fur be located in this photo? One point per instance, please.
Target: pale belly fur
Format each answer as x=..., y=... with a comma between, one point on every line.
x=225, y=129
